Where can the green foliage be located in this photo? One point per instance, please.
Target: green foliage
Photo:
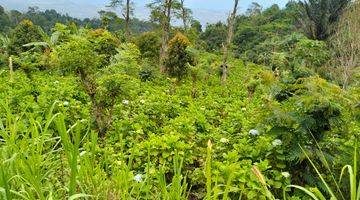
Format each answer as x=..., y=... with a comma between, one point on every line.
x=5, y=22
x=29, y=62
x=4, y=49
x=77, y=56
x=292, y=55
x=126, y=60
x=25, y=32
x=149, y=45
x=334, y=193
x=103, y=43
x=112, y=87
x=214, y=35
x=196, y=25
x=252, y=30
x=312, y=53
x=87, y=117
x=320, y=16
x=49, y=18
x=178, y=56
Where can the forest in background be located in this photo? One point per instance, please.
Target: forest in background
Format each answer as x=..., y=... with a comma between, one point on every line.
x=264, y=106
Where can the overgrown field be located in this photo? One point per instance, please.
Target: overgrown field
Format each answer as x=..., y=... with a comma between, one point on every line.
x=177, y=113
x=170, y=139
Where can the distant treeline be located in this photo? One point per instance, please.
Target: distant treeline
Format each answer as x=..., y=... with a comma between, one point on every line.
x=48, y=18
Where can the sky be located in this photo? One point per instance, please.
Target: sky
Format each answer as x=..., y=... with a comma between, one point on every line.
x=206, y=11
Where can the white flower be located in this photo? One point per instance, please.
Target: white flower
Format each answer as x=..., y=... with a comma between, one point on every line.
x=82, y=153
x=254, y=132
x=138, y=178
x=224, y=140
x=243, y=109
x=285, y=174
x=66, y=103
x=126, y=102
x=277, y=142
x=142, y=101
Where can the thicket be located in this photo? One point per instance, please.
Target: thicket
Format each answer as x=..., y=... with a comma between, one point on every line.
x=86, y=115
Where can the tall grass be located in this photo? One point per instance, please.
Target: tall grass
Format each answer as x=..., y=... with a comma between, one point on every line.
x=214, y=190
x=46, y=159
x=178, y=188
x=31, y=157
x=26, y=163
x=71, y=149
x=316, y=194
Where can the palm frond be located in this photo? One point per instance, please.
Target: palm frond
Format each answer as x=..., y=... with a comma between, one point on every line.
x=36, y=44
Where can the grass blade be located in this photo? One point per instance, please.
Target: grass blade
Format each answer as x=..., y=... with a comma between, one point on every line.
x=308, y=192
x=319, y=174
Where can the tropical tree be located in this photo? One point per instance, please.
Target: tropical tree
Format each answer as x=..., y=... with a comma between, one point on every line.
x=5, y=45
x=185, y=14
x=178, y=58
x=321, y=16
x=149, y=45
x=24, y=33
x=49, y=41
x=127, y=8
x=196, y=25
x=161, y=11
x=229, y=38
x=213, y=36
x=254, y=9
x=5, y=21
x=106, y=18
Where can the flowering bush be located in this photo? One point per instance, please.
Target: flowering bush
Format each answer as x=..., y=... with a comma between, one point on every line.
x=178, y=56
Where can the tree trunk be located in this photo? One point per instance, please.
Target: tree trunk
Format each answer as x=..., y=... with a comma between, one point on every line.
x=227, y=46
x=183, y=14
x=127, y=20
x=165, y=33
x=97, y=107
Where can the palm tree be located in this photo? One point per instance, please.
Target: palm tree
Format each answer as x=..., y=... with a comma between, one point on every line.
x=321, y=16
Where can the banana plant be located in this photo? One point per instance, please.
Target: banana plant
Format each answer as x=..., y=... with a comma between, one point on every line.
x=49, y=43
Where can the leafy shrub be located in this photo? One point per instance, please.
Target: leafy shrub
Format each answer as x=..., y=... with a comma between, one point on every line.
x=149, y=45
x=104, y=43
x=25, y=32
x=311, y=114
x=126, y=60
x=214, y=35
x=29, y=62
x=77, y=56
x=178, y=56
x=312, y=53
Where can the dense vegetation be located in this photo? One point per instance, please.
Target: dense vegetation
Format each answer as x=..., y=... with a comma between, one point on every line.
x=48, y=18
x=115, y=108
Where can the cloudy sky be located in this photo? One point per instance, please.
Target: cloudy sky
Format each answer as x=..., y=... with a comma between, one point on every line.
x=206, y=11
